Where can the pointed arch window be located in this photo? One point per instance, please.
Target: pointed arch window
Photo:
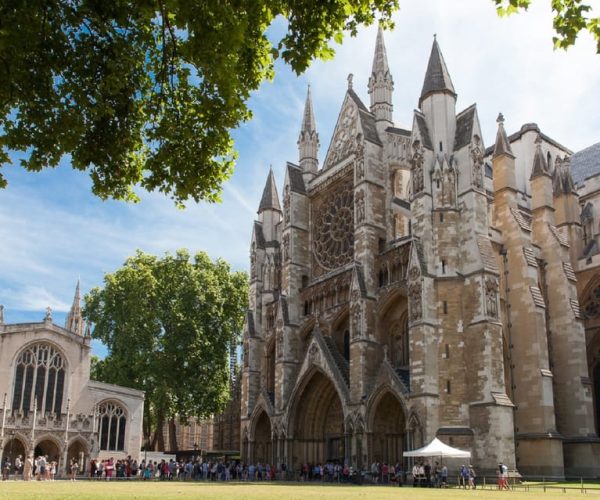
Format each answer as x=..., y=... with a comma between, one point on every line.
x=39, y=377
x=113, y=422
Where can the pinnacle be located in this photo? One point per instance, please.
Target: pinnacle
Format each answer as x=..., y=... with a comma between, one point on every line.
x=308, y=121
x=540, y=166
x=380, y=62
x=270, y=198
x=502, y=146
x=437, y=78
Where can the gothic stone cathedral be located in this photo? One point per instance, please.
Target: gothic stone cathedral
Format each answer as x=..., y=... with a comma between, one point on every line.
x=418, y=285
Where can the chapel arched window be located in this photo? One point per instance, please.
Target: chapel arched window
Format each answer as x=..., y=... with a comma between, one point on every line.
x=113, y=421
x=39, y=377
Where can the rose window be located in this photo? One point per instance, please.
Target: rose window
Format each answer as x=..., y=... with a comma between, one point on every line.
x=334, y=229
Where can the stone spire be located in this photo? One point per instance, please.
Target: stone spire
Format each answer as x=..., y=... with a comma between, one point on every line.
x=502, y=146
x=437, y=78
x=270, y=198
x=308, y=141
x=381, y=84
x=74, y=321
x=540, y=166
x=1, y=314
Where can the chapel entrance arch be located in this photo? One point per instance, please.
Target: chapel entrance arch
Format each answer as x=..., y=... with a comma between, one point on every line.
x=49, y=448
x=263, y=445
x=78, y=452
x=14, y=448
x=388, y=429
x=318, y=423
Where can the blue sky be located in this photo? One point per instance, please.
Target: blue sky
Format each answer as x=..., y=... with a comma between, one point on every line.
x=53, y=230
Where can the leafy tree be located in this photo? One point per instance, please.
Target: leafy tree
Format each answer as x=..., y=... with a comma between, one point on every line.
x=168, y=324
x=571, y=17
x=145, y=92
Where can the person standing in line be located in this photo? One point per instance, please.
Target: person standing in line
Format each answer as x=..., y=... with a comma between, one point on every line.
x=472, y=477
x=27, y=467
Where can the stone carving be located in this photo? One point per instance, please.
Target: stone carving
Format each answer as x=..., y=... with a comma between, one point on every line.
x=279, y=342
x=333, y=237
x=253, y=262
x=313, y=353
x=477, y=161
x=450, y=186
x=459, y=326
x=359, y=157
x=286, y=204
x=592, y=306
x=414, y=273
x=491, y=297
x=341, y=145
x=417, y=167
x=414, y=298
x=285, y=248
x=356, y=320
x=360, y=206
x=48, y=316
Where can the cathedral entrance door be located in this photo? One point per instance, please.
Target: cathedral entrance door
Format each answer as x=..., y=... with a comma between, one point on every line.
x=263, y=446
x=389, y=424
x=318, y=423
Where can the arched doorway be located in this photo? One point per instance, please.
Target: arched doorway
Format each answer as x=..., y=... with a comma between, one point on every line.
x=318, y=423
x=388, y=426
x=78, y=451
x=49, y=448
x=13, y=448
x=263, y=446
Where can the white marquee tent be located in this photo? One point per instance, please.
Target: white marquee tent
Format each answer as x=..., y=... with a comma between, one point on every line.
x=438, y=449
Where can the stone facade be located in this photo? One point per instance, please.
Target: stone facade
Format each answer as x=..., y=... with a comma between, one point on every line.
x=50, y=405
x=418, y=285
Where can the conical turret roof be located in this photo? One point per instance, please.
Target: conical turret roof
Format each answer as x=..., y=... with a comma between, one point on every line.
x=308, y=120
x=270, y=198
x=437, y=78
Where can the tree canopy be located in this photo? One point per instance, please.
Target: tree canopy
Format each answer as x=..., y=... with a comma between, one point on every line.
x=168, y=324
x=571, y=17
x=146, y=92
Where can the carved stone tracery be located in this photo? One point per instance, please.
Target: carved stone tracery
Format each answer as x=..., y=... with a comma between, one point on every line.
x=333, y=236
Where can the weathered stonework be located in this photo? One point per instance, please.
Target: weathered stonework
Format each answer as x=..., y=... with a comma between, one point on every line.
x=417, y=296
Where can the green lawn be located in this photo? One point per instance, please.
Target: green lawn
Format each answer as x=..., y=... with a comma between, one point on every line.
x=263, y=491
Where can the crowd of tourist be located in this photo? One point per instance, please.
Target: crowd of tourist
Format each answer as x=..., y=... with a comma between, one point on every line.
x=422, y=474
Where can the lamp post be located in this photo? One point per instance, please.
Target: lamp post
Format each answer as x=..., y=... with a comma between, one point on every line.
x=65, y=454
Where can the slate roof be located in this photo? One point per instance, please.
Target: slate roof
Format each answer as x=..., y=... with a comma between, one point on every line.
x=585, y=163
x=295, y=178
x=367, y=120
x=464, y=127
x=399, y=131
x=422, y=124
x=437, y=78
x=270, y=198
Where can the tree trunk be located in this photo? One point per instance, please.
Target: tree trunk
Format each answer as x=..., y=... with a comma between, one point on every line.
x=172, y=436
